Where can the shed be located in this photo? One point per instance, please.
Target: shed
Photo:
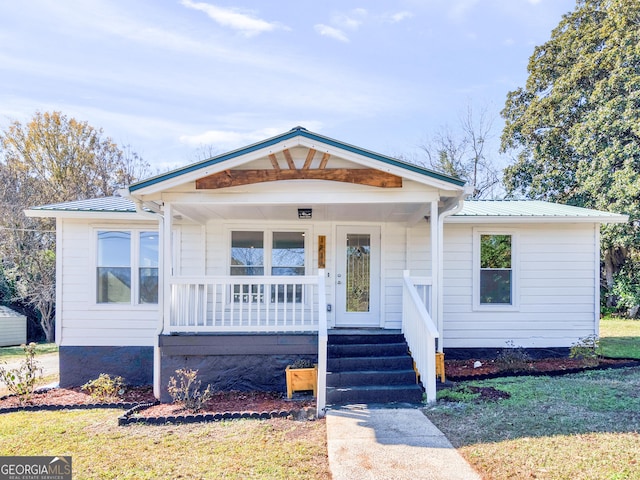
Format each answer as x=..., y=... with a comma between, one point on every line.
x=13, y=327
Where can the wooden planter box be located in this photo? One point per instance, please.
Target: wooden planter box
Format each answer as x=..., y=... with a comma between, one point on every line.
x=301, y=379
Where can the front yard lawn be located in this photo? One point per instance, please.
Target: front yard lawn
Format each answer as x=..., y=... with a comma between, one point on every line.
x=620, y=337
x=580, y=426
x=265, y=449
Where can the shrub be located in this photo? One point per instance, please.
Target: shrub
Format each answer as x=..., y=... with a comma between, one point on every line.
x=105, y=387
x=21, y=381
x=186, y=390
x=302, y=363
x=586, y=349
x=513, y=359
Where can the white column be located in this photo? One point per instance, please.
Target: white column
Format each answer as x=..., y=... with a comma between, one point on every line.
x=435, y=268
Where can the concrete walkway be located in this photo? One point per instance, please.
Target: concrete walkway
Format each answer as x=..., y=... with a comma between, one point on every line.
x=390, y=444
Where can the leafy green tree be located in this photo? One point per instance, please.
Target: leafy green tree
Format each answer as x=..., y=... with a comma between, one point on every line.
x=575, y=126
x=50, y=159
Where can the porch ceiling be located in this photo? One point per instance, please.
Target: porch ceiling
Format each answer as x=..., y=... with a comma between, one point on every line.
x=392, y=212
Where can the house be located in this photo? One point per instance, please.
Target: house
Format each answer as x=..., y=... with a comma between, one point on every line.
x=241, y=263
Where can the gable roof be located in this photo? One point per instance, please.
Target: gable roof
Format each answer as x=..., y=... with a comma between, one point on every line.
x=292, y=134
x=497, y=211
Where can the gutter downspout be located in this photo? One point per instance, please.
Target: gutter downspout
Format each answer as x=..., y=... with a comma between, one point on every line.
x=160, y=328
x=459, y=203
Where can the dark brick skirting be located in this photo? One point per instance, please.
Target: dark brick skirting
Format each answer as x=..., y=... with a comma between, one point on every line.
x=78, y=365
x=243, y=362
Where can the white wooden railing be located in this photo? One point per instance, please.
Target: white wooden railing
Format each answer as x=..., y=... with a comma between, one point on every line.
x=245, y=304
x=419, y=329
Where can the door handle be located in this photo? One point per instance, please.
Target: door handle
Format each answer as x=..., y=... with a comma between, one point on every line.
x=339, y=282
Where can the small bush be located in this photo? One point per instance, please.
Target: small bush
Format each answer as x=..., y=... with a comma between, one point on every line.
x=21, y=381
x=587, y=349
x=302, y=363
x=105, y=387
x=186, y=390
x=513, y=359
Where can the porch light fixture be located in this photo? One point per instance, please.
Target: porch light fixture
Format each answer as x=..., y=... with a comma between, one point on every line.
x=304, y=213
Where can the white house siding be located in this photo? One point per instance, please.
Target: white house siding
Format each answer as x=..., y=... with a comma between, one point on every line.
x=84, y=322
x=402, y=248
x=556, y=281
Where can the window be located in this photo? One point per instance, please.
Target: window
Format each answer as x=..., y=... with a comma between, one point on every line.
x=127, y=267
x=257, y=252
x=496, y=269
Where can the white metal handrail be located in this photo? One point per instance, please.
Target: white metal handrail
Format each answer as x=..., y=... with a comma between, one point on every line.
x=243, y=303
x=420, y=331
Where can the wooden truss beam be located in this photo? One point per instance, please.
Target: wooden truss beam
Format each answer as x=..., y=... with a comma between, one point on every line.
x=360, y=176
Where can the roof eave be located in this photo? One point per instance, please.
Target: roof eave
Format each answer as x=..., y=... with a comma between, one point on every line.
x=482, y=219
x=85, y=214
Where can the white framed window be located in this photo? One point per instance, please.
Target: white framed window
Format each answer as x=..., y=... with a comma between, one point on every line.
x=126, y=267
x=271, y=252
x=495, y=269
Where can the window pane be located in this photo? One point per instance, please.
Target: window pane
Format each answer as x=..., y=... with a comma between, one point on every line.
x=495, y=286
x=148, y=285
x=495, y=251
x=247, y=253
x=287, y=254
x=114, y=249
x=113, y=282
x=358, y=272
x=149, y=249
x=114, y=285
x=148, y=268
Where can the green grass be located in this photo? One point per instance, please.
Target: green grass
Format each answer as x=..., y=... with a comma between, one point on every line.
x=620, y=338
x=16, y=353
x=269, y=449
x=581, y=426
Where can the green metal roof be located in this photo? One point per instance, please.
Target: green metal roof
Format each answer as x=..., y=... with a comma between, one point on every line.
x=295, y=132
x=531, y=209
x=105, y=204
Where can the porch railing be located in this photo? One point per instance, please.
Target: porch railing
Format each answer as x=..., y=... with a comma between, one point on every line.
x=419, y=329
x=244, y=303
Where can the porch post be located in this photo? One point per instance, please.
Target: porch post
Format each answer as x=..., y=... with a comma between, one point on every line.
x=435, y=269
x=164, y=295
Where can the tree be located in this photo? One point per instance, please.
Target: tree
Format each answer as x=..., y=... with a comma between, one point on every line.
x=575, y=126
x=464, y=154
x=50, y=159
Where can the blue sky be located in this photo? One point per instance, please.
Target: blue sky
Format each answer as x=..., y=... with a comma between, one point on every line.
x=171, y=76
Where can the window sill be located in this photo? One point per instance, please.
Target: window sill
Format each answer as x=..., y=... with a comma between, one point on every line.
x=125, y=306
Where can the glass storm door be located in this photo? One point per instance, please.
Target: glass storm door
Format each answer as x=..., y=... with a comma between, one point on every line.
x=358, y=277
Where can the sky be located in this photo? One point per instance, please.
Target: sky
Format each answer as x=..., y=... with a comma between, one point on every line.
x=179, y=80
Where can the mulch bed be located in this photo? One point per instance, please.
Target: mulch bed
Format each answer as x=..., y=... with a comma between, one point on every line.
x=461, y=370
x=142, y=406
x=74, y=397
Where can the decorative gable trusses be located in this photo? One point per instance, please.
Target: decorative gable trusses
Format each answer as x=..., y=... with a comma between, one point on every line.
x=297, y=155
x=290, y=171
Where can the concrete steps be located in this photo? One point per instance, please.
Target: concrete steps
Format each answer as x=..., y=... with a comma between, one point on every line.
x=370, y=369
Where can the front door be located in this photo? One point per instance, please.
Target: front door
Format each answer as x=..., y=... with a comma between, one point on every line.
x=358, y=276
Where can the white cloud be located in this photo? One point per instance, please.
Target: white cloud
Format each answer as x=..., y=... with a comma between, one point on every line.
x=399, y=16
x=225, y=138
x=331, y=32
x=534, y=2
x=351, y=20
x=235, y=19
